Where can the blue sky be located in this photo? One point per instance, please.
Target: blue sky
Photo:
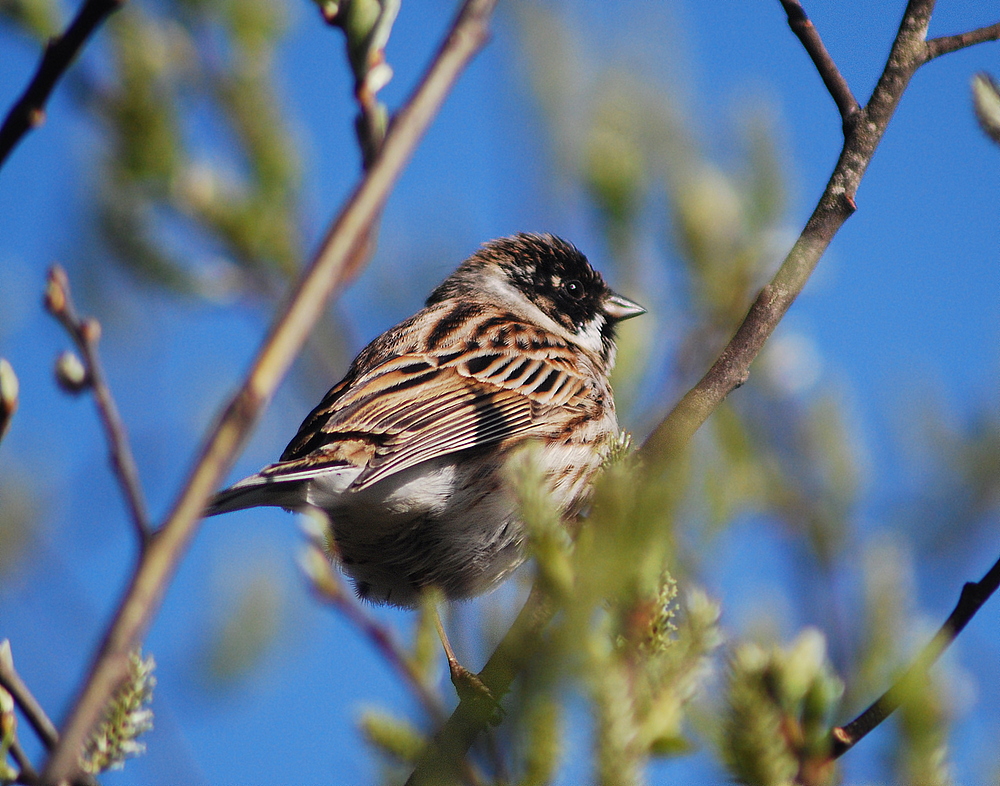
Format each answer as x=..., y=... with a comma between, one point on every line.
x=903, y=310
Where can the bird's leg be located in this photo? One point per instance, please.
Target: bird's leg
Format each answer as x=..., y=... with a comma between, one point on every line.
x=467, y=684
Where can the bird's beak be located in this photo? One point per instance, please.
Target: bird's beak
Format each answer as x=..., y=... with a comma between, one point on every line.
x=619, y=308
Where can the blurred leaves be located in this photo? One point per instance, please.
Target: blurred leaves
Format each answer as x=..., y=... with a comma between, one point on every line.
x=18, y=519
x=41, y=19
x=249, y=622
x=780, y=706
x=190, y=67
x=619, y=632
x=198, y=191
x=986, y=101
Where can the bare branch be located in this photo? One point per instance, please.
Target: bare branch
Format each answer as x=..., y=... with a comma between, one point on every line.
x=972, y=598
x=331, y=590
x=835, y=82
x=27, y=774
x=14, y=685
x=336, y=259
x=85, y=334
x=952, y=43
x=909, y=51
x=29, y=111
x=835, y=206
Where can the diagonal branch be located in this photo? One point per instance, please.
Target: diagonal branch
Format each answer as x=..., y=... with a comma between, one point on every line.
x=835, y=82
x=85, y=334
x=732, y=368
x=972, y=598
x=835, y=206
x=29, y=111
x=952, y=43
x=337, y=257
x=331, y=591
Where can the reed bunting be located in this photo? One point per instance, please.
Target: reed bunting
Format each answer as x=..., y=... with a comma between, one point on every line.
x=406, y=454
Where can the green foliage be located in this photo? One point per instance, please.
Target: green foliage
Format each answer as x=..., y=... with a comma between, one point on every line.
x=393, y=737
x=776, y=732
x=633, y=636
x=158, y=173
x=619, y=634
x=246, y=626
x=40, y=19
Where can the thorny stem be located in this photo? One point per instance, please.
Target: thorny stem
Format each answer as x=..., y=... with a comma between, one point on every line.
x=85, y=334
x=336, y=258
x=29, y=111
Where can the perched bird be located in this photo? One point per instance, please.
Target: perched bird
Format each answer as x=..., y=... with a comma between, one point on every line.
x=406, y=454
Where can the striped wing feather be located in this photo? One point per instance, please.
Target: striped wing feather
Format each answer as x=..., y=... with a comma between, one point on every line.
x=420, y=406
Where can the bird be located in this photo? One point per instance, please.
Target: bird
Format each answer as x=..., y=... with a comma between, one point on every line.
x=406, y=455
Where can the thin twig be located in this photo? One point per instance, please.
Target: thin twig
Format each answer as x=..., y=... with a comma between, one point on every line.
x=32, y=710
x=29, y=111
x=27, y=770
x=836, y=205
x=331, y=590
x=910, y=50
x=972, y=598
x=323, y=278
x=835, y=82
x=952, y=43
x=85, y=334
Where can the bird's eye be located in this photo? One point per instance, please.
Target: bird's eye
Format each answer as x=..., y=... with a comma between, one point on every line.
x=574, y=289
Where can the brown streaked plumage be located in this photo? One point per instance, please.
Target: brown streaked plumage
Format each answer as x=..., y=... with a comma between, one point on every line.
x=406, y=453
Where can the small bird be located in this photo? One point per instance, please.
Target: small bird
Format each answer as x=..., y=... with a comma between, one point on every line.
x=406, y=454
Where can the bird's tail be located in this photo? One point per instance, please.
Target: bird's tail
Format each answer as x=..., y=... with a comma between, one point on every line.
x=253, y=492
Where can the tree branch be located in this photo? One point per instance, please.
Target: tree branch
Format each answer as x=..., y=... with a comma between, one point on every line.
x=14, y=685
x=909, y=51
x=835, y=82
x=27, y=770
x=835, y=206
x=732, y=368
x=29, y=111
x=972, y=598
x=85, y=334
x=952, y=43
x=336, y=257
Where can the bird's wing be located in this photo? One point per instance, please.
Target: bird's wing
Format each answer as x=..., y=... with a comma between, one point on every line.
x=419, y=406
